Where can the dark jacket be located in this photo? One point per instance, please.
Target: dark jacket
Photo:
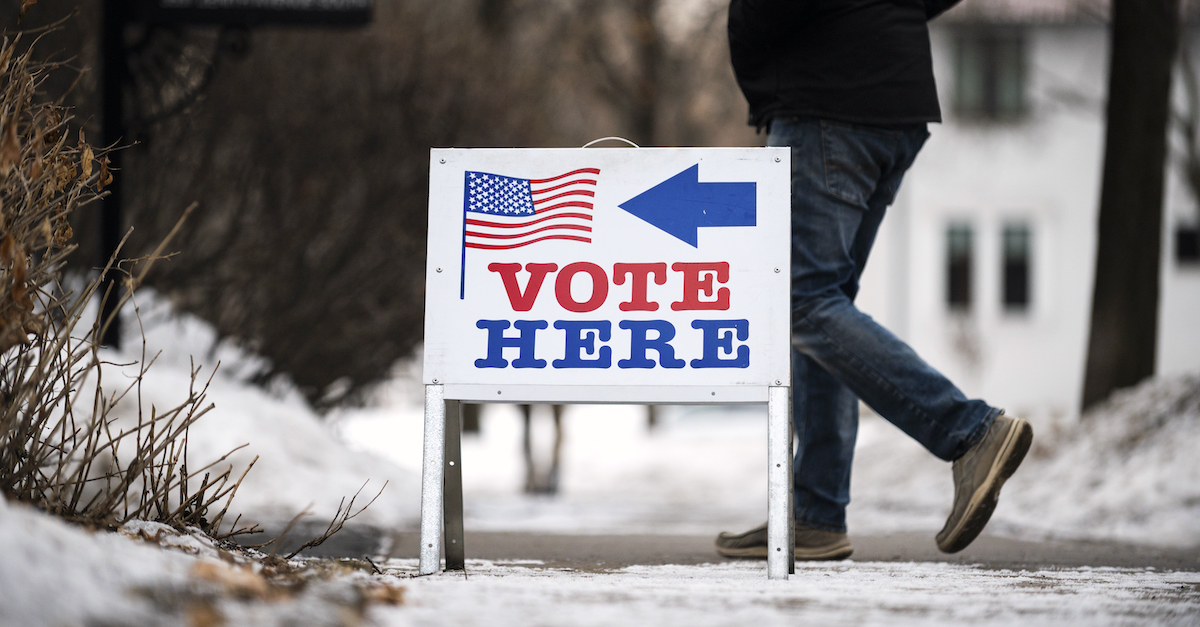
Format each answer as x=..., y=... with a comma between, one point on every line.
x=861, y=61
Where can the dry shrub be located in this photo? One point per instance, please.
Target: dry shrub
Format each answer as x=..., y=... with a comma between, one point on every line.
x=62, y=448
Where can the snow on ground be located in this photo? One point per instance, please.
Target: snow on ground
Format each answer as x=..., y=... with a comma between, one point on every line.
x=1125, y=472
x=1134, y=475
x=697, y=470
x=840, y=593
x=301, y=462
x=54, y=575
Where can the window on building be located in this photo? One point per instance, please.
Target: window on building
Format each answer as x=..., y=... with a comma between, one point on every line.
x=990, y=74
x=1016, y=267
x=959, y=252
x=1187, y=244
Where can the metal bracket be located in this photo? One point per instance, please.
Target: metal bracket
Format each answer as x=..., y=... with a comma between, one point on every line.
x=455, y=552
x=441, y=484
x=432, y=477
x=781, y=544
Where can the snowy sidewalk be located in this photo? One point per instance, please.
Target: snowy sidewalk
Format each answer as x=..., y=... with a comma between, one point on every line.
x=829, y=593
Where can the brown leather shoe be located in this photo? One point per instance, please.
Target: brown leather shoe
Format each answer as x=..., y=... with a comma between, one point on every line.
x=978, y=476
x=811, y=544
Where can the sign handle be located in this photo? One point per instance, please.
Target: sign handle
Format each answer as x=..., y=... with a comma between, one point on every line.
x=455, y=551
x=613, y=138
x=432, y=477
x=780, y=528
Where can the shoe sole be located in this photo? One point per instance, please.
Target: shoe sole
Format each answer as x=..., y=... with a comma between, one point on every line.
x=983, y=501
x=838, y=551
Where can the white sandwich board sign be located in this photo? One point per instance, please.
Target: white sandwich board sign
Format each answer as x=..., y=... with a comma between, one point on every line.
x=606, y=275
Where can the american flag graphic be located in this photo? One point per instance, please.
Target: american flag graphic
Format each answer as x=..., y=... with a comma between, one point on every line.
x=503, y=212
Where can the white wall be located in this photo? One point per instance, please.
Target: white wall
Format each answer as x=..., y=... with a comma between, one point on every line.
x=1045, y=171
x=1179, y=300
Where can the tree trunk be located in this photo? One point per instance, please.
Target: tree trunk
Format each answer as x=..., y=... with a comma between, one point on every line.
x=647, y=43
x=1124, y=326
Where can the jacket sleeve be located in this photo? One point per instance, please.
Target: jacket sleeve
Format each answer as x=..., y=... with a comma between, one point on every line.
x=756, y=29
x=934, y=8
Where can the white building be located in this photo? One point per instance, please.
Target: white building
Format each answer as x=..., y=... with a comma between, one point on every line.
x=986, y=260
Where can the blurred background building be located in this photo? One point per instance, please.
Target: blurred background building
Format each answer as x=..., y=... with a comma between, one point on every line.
x=985, y=263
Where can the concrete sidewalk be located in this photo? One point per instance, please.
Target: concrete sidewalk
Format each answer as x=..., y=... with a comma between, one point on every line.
x=602, y=553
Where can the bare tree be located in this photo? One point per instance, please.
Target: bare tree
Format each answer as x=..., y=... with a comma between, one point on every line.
x=310, y=161
x=308, y=151
x=1186, y=116
x=1124, y=322
x=657, y=73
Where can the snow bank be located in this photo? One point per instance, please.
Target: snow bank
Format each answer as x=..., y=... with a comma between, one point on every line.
x=1129, y=471
x=55, y=574
x=301, y=461
x=1125, y=472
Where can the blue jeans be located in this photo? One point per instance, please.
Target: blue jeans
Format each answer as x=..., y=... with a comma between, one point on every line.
x=843, y=179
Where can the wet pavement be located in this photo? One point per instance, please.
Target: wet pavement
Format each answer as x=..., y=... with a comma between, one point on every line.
x=600, y=553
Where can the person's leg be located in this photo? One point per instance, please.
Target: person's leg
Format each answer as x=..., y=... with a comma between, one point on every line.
x=838, y=197
x=825, y=413
x=844, y=177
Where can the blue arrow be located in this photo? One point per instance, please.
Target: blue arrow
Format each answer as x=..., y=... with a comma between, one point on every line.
x=682, y=204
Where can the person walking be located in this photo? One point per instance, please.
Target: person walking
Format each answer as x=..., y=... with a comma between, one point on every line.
x=848, y=86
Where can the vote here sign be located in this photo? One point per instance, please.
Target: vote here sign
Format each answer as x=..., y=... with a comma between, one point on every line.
x=655, y=275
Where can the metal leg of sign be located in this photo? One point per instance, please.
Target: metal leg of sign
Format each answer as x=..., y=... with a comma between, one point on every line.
x=780, y=546
x=791, y=486
x=455, y=551
x=432, y=479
